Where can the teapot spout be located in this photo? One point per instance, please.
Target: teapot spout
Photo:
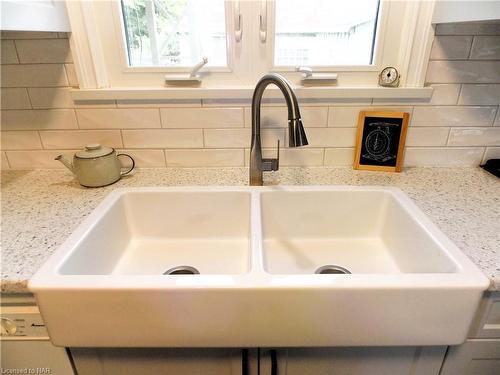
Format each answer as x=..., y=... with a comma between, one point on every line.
x=67, y=160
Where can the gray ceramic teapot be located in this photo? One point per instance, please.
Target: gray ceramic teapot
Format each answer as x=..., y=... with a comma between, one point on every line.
x=96, y=165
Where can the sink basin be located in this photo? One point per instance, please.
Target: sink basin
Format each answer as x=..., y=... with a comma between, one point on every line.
x=257, y=251
x=366, y=232
x=150, y=232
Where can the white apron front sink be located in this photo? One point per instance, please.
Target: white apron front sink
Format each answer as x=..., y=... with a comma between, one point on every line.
x=257, y=250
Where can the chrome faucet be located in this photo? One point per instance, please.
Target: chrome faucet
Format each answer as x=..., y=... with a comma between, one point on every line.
x=296, y=134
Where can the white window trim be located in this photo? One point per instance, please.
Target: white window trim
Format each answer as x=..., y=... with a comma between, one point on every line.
x=89, y=52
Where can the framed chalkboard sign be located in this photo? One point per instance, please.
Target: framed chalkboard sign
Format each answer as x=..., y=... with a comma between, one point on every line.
x=380, y=141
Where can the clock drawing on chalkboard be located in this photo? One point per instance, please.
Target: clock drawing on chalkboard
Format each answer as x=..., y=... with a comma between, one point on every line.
x=380, y=140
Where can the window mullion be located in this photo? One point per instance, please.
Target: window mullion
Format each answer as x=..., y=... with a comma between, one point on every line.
x=151, y=22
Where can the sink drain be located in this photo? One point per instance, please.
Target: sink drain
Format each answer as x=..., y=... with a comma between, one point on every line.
x=331, y=269
x=182, y=270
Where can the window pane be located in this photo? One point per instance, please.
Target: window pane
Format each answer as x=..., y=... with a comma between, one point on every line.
x=175, y=33
x=325, y=32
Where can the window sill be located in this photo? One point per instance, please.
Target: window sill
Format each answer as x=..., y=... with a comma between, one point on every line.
x=245, y=92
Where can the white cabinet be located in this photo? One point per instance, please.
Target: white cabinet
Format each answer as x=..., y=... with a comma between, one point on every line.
x=481, y=353
x=474, y=357
x=463, y=11
x=29, y=15
x=144, y=361
x=356, y=361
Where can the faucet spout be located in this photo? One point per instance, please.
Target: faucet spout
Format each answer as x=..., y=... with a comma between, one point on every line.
x=296, y=133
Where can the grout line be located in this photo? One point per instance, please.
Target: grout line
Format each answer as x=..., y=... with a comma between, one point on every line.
x=484, y=154
x=470, y=48
x=459, y=93
x=29, y=98
x=17, y=53
x=7, y=158
x=76, y=118
x=121, y=138
x=448, y=137
x=40, y=139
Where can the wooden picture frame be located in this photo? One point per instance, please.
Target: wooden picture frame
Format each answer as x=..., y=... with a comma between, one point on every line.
x=380, y=140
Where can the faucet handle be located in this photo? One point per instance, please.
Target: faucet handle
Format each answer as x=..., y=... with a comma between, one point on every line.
x=270, y=164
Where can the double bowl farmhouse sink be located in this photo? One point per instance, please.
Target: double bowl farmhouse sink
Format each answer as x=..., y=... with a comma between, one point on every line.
x=256, y=267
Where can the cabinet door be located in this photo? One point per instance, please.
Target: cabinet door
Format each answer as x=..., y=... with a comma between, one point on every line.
x=154, y=361
x=356, y=361
x=475, y=357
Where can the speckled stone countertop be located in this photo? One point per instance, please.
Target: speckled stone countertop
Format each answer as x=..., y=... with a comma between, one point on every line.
x=41, y=208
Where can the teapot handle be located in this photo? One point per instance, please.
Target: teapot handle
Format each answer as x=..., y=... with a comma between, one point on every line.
x=132, y=167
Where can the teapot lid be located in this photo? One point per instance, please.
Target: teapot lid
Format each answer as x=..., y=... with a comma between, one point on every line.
x=94, y=150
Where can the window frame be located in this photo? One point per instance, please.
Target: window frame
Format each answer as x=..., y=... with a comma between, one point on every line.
x=98, y=66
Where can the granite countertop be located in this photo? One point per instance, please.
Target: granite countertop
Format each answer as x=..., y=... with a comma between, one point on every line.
x=41, y=208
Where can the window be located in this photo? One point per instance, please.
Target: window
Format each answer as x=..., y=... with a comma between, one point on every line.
x=325, y=32
x=174, y=33
x=136, y=43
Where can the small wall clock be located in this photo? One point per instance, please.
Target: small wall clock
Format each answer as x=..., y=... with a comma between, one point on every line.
x=389, y=77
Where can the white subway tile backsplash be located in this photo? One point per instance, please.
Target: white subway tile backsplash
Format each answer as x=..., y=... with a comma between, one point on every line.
x=43, y=51
x=15, y=98
x=348, y=116
x=77, y=139
x=445, y=94
x=39, y=119
x=339, y=157
x=491, y=153
x=107, y=118
x=71, y=75
x=33, y=75
x=482, y=94
x=272, y=117
x=463, y=72
x=8, y=53
x=442, y=94
x=331, y=137
x=20, y=140
x=143, y=158
x=443, y=157
x=474, y=137
x=293, y=157
x=163, y=138
x=27, y=35
x=50, y=97
x=42, y=159
x=202, y=117
x=344, y=116
x=451, y=47
x=301, y=157
x=240, y=138
x=427, y=136
x=205, y=158
x=468, y=28
x=453, y=116
x=485, y=48
x=445, y=130
x=4, y=164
